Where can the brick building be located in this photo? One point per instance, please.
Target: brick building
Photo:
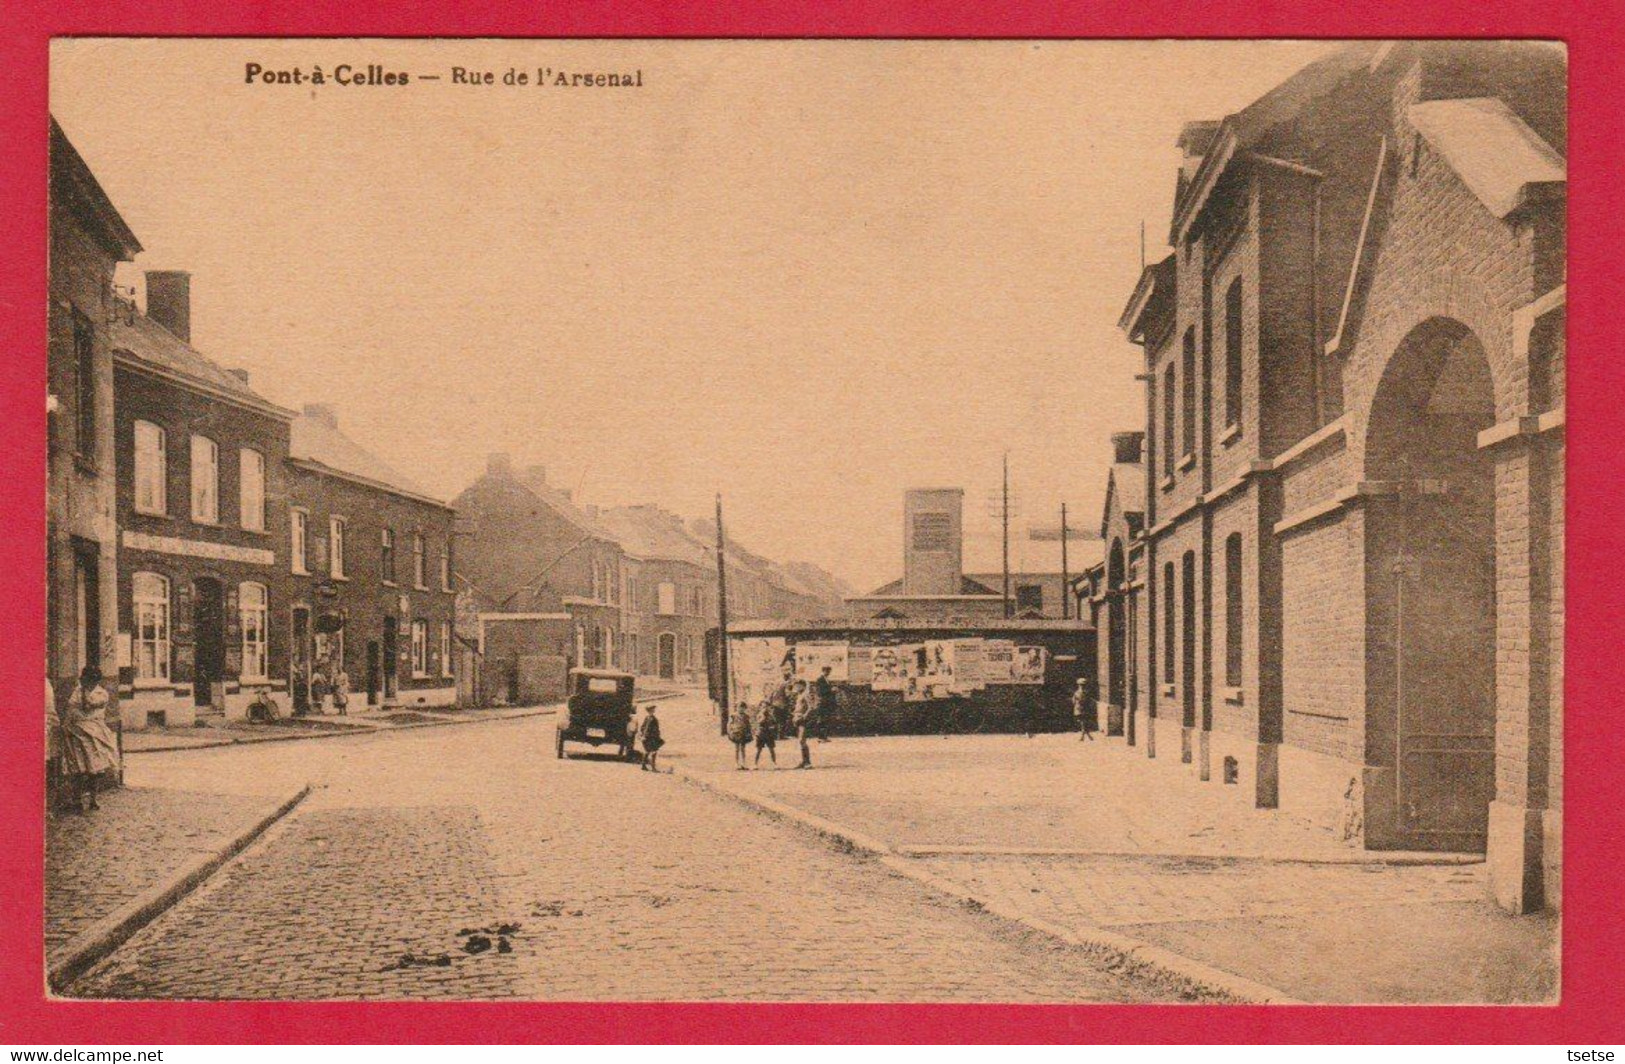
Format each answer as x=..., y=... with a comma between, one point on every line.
x=528, y=548
x=1111, y=593
x=88, y=240
x=1353, y=557
x=369, y=557
x=201, y=461
x=670, y=594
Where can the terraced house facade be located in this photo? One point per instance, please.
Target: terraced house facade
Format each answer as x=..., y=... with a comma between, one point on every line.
x=1353, y=544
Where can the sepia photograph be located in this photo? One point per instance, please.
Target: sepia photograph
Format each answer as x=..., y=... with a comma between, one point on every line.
x=821, y=521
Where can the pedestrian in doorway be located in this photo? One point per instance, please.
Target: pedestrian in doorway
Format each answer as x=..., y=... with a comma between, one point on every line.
x=823, y=704
x=649, y=738
x=767, y=728
x=1084, y=711
x=341, y=691
x=88, y=746
x=319, y=691
x=739, y=734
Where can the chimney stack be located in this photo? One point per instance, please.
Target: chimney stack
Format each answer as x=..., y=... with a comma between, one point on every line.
x=169, y=301
x=240, y=373
x=323, y=413
x=536, y=475
x=1128, y=447
x=499, y=464
x=933, y=541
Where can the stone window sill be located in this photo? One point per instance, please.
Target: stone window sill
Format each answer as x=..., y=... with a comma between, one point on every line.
x=1230, y=435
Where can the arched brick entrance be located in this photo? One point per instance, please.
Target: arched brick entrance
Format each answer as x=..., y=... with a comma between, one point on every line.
x=1430, y=594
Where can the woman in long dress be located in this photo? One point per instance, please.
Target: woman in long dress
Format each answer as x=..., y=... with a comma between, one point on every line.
x=88, y=746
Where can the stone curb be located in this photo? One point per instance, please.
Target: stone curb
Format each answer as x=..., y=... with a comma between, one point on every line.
x=379, y=729
x=112, y=931
x=1368, y=857
x=1138, y=958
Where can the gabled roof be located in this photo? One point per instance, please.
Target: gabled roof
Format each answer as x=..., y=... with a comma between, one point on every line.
x=1126, y=483
x=1154, y=290
x=317, y=442
x=653, y=534
x=154, y=347
x=1492, y=150
x=73, y=181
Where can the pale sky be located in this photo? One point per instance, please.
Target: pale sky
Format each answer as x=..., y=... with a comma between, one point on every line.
x=808, y=275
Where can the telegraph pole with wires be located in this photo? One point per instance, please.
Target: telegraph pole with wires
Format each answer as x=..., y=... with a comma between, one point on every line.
x=1006, y=524
x=723, y=680
x=1066, y=572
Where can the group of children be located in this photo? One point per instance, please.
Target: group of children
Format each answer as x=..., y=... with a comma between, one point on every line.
x=791, y=707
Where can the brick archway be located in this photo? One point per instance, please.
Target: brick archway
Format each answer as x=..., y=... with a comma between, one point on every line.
x=1430, y=595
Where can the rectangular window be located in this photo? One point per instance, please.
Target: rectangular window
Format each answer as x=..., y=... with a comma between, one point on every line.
x=84, y=368
x=1232, y=354
x=418, y=571
x=151, y=469
x=445, y=648
x=445, y=568
x=299, y=541
x=205, y=481
x=335, y=551
x=1188, y=394
x=668, y=598
x=387, y=543
x=1168, y=623
x=420, y=648
x=1232, y=611
x=251, y=489
x=1168, y=388
x=252, y=612
x=150, y=595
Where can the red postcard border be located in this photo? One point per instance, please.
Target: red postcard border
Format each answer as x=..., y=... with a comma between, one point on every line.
x=1594, y=949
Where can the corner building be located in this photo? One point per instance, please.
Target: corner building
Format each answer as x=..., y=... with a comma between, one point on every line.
x=1354, y=452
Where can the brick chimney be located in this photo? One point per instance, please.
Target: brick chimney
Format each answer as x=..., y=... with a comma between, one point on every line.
x=499, y=464
x=1128, y=447
x=169, y=301
x=240, y=373
x=933, y=541
x=536, y=475
x=323, y=413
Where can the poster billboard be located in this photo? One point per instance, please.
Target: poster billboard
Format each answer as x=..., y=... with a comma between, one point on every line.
x=1028, y=666
x=813, y=658
x=886, y=666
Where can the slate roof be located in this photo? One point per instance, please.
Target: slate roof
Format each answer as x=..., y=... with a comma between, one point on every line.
x=314, y=440
x=648, y=532
x=157, y=347
x=1495, y=153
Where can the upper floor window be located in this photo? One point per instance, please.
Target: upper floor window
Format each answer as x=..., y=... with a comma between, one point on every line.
x=1232, y=354
x=668, y=598
x=445, y=568
x=84, y=368
x=1188, y=394
x=418, y=572
x=299, y=541
x=151, y=469
x=205, y=481
x=387, y=543
x=1168, y=387
x=445, y=648
x=336, y=529
x=251, y=489
x=252, y=606
x=150, y=597
x=420, y=648
x=1232, y=610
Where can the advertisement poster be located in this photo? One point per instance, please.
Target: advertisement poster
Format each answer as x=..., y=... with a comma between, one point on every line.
x=755, y=664
x=859, y=664
x=812, y=658
x=887, y=668
x=1028, y=666
x=969, y=662
x=998, y=661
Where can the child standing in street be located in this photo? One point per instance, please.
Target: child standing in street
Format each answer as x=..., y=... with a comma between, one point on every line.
x=649, y=738
x=739, y=734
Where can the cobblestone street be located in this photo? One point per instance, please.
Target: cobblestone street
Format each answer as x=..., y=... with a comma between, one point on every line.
x=469, y=863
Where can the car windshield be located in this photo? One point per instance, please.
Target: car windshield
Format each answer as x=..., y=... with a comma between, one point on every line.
x=602, y=685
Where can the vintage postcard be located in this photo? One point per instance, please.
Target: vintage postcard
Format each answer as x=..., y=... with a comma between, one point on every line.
x=806, y=521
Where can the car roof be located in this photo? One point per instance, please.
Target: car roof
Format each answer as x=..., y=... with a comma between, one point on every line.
x=610, y=674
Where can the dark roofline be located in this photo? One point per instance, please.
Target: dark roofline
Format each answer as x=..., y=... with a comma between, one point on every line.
x=1146, y=289
x=135, y=362
x=322, y=469
x=89, y=199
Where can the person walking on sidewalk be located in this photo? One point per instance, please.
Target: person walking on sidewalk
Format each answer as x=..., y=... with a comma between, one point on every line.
x=823, y=704
x=88, y=746
x=649, y=738
x=739, y=734
x=767, y=727
x=804, y=718
x=341, y=690
x=1084, y=711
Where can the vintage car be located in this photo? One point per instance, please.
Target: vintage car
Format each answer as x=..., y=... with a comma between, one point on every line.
x=599, y=710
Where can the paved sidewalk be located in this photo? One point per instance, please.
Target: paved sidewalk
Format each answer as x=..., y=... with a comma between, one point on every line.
x=1093, y=836
x=97, y=863
x=151, y=740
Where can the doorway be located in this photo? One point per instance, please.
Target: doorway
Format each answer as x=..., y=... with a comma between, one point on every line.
x=209, y=629
x=375, y=676
x=299, y=661
x=391, y=651
x=1430, y=596
x=668, y=656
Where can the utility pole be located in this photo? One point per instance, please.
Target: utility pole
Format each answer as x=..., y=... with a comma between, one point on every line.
x=1066, y=572
x=1006, y=521
x=725, y=679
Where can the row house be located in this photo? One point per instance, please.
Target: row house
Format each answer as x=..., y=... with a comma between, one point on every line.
x=88, y=239
x=202, y=492
x=1111, y=594
x=670, y=594
x=1352, y=561
x=370, y=567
